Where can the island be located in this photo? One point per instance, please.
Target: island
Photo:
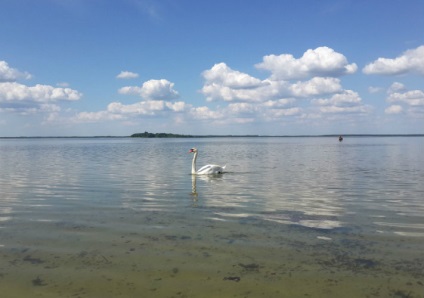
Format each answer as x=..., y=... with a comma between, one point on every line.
x=172, y=135
x=159, y=135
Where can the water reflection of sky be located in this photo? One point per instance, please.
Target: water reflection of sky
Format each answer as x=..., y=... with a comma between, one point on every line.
x=322, y=186
x=310, y=182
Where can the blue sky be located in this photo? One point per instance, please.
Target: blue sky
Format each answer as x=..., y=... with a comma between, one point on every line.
x=109, y=67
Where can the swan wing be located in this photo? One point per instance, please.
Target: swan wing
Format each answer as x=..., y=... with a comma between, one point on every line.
x=210, y=169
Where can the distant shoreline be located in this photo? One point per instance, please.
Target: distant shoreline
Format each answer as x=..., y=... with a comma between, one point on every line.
x=161, y=135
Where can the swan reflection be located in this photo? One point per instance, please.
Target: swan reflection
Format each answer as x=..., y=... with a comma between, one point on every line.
x=193, y=187
x=205, y=179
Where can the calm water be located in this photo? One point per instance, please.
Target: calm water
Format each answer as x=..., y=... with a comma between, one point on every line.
x=292, y=217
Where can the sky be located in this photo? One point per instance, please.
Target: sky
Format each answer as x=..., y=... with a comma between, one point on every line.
x=266, y=67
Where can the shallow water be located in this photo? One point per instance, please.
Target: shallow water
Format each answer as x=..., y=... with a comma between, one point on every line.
x=292, y=217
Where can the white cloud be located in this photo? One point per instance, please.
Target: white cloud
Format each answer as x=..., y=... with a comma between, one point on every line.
x=150, y=107
x=273, y=114
x=218, y=92
x=28, y=100
x=396, y=87
x=347, y=101
x=119, y=111
x=28, y=109
x=322, y=61
x=279, y=103
x=242, y=108
x=84, y=117
x=316, y=86
x=344, y=110
x=224, y=83
x=8, y=74
x=260, y=91
x=153, y=90
x=412, y=98
x=276, y=97
x=204, y=113
x=313, y=79
x=221, y=74
x=15, y=92
x=411, y=61
x=373, y=89
x=394, y=109
x=400, y=99
x=140, y=108
x=127, y=75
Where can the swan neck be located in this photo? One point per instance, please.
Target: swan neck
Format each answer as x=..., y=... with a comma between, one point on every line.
x=193, y=164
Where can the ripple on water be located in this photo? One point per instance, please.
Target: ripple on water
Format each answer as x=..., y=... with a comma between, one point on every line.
x=112, y=218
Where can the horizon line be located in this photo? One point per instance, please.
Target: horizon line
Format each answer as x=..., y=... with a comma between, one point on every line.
x=225, y=136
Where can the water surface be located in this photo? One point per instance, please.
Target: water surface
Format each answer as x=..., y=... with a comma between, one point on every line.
x=292, y=217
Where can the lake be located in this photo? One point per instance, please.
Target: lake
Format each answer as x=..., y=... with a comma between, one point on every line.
x=290, y=217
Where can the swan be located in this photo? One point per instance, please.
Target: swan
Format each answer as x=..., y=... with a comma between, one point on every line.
x=205, y=170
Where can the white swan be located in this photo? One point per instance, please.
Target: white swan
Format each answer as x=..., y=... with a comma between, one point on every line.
x=205, y=170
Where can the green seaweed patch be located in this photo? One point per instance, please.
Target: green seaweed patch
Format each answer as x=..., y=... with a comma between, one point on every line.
x=38, y=282
x=250, y=267
x=232, y=278
x=401, y=294
x=32, y=260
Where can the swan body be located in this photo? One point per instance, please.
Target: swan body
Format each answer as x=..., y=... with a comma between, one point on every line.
x=205, y=170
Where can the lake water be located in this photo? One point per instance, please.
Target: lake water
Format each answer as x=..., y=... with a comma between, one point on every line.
x=292, y=217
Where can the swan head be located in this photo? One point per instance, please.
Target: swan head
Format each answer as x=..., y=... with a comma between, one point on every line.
x=192, y=150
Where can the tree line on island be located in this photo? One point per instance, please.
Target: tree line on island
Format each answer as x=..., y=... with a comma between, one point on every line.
x=159, y=135
x=173, y=135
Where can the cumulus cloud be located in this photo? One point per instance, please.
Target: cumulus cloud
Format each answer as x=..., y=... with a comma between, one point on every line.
x=127, y=75
x=246, y=112
x=315, y=86
x=218, y=92
x=242, y=108
x=224, y=83
x=273, y=114
x=288, y=92
x=205, y=113
x=373, y=89
x=120, y=111
x=396, y=87
x=29, y=108
x=411, y=61
x=347, y=98
x=146, y=107
x=87, y=117
x=394, y=109
x=412, y=98
x=347, y=101
x=259, y=91
x=355, y=109
x=403, y=100
x=14, y=92
x=321, y=62
x=27, y=100
x=221, y=74
x=8, y=74
x=283, y=102
x=316, y=73
x=276, y=97
x=153, y=90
